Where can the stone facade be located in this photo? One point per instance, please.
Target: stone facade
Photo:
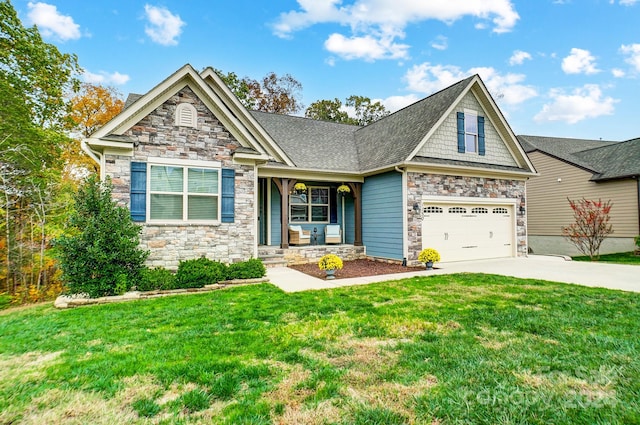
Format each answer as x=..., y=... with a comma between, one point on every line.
x=420, y=185
x=443, y=143
x=156, y=136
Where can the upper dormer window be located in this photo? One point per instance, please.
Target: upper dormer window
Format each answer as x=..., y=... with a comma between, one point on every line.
x=470, y=132
x=186, y=115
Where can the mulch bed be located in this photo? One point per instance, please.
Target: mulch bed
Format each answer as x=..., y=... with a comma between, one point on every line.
x=357, y=268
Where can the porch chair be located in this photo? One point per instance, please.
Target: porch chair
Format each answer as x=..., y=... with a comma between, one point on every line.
x=297, y=236
x=332, y=234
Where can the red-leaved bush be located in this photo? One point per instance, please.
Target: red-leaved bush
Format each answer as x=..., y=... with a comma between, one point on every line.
x=591, y=225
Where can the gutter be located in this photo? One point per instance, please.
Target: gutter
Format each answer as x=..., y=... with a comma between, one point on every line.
x=95, y=155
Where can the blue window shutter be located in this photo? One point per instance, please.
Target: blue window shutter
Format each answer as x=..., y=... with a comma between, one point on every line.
x=461, y=132
x=138, y=191
x=481, y=148
x=228, y=195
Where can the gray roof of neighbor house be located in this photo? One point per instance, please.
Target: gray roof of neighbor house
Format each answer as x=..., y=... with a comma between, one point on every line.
x=605, y=159
x=390, y=140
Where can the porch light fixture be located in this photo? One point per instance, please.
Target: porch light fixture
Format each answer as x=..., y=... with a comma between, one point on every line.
x=416, y=208
x=522, y=208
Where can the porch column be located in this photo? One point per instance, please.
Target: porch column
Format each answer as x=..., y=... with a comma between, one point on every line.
x=356, y=190
x=283, y=186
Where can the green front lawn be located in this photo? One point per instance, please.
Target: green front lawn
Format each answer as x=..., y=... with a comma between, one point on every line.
x=620, y=258
x=452, y=349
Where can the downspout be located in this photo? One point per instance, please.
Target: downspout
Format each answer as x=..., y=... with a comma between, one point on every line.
x=405, y=215
x=96, y=156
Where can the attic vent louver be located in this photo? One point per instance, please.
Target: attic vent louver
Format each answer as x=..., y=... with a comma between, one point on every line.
x=186, y=115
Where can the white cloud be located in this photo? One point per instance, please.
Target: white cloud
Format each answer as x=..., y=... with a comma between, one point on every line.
x=104, y=78
x=632, y=51
x=618, y=73
x=395, y=103
x=51, y=23
x=440, y=43
x=579, y=61
x=625, y=2
x=518, y=57
x=164, y=26
x=375, y=24
x=508, y=88
x=583, y=103
x=368, y=47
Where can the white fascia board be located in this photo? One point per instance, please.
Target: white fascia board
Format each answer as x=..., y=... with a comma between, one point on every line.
x=459, y=170
x=322, y=175
x=101, y=144
x=240, y=111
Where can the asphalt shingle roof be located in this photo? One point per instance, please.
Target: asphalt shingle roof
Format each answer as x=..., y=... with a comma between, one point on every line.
x=319, y=144
x=392, y=139
x=312, y=144
x=606, y=159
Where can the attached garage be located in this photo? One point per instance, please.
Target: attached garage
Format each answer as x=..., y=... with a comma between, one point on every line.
x=469, y=231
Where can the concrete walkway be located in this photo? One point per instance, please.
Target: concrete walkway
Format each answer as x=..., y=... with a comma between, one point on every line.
x=556, y=269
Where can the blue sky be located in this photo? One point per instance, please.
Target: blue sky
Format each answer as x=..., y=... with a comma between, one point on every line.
x=566, y=68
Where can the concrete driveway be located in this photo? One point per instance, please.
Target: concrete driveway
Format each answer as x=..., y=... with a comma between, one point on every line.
x=557, y=269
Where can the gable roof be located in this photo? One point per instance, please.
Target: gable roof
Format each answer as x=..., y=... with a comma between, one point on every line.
x=392, y=139
x=605, y=159
x=215, y=96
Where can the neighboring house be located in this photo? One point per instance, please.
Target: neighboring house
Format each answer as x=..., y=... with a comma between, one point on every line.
x=205, y=176
x=576, y=169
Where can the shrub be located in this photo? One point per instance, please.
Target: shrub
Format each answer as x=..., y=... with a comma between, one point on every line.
x=199, y=272
x=637, y=240
x=99, y=254
x=330, y=262
x=250, y=269
x=5, y=301
x=590, y=227
x=429, y=254
x=156, y=278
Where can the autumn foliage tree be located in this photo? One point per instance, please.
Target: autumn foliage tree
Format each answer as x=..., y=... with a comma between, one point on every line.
x=590, y=227
x=91, y=108
x=274, y=94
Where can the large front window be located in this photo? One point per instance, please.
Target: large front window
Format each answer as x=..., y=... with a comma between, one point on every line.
x=184, y=193
x=311, y=205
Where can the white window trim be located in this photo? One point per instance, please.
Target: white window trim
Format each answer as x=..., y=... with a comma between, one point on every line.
x=467, y=114
x=310, y=205
x=185, y=165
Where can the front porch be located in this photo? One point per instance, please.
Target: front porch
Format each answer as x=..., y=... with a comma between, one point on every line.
x=274, y=256
x=318, y=204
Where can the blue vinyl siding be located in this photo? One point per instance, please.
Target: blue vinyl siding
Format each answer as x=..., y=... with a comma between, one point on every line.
x=382, y=215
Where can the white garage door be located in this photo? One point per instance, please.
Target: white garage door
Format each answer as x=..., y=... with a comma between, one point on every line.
x=469, y=232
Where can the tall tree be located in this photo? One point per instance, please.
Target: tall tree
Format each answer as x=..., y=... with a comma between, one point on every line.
x=91, y=108
x=363, y=110
x=278, y=95
x=38, y=70
x=328, y=110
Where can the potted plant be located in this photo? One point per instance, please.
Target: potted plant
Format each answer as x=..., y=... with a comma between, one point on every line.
x=428, y=256
x=300, y=187
x=343, y=189
x=330, y=263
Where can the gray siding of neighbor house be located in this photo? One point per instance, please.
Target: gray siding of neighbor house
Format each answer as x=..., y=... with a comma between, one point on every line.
x=549, y=210
x=382, y=216
x=157, y=136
